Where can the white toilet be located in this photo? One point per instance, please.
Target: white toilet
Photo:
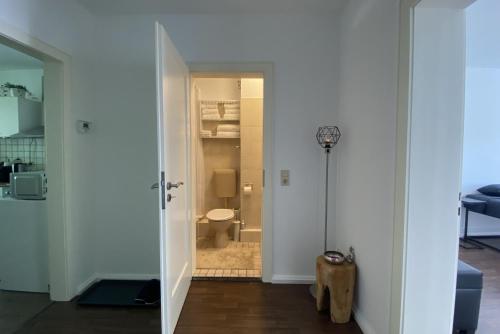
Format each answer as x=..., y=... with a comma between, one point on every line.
x=220, y=220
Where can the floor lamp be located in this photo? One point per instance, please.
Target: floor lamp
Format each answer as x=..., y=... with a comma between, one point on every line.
x=328, y=137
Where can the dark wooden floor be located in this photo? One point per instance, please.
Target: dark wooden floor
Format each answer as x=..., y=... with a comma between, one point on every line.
x=488, y=261
x=68, y=318
x=211, y=307
x=241, y=308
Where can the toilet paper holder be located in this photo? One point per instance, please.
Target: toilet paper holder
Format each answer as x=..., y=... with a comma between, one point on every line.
x=247, y=188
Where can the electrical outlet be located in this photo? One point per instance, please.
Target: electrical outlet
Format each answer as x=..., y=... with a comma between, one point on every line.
x=285, y=177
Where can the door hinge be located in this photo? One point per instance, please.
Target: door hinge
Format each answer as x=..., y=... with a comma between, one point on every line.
x=459, y=211
x=162, y=185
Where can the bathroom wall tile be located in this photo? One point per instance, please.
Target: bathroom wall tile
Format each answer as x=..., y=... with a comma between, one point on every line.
x=220, y=154
x=254, y=177
x=252, y=212
x=251, y=205
x=227, y=273
x=251, y=148
x=242, y=273
x=219, y=273
x=252, y=236
x=252, y=112
x=234, y=273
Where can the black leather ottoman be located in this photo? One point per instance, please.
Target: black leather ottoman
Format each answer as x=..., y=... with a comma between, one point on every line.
x=468, y=300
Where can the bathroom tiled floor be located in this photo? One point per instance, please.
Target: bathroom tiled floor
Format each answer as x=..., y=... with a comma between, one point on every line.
x=237, y=260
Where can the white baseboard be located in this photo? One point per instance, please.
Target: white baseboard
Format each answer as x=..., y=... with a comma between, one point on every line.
x=84, y=285
x=293, y=279
x=366, y=328
x=99, y=276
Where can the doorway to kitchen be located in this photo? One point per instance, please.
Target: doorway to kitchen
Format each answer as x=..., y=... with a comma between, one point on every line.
x=24, y=273
x=229, y=175
x=35, y=142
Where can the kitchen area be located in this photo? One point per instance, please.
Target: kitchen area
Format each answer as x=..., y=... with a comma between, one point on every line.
x=24, y=273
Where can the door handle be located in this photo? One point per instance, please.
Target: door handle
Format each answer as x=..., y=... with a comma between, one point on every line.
x=171, y=185
x=155, y=186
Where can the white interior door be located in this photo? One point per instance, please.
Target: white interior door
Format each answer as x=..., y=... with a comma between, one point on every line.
x=172, y=104
x=435, y=159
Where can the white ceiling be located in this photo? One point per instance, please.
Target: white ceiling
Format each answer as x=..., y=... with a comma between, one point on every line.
x=11, y=59
x=211, y=6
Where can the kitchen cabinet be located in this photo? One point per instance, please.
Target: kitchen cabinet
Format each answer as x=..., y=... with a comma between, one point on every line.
x=23, y=245
x=19, y=115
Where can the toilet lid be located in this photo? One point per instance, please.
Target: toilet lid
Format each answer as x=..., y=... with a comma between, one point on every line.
x=220, y=214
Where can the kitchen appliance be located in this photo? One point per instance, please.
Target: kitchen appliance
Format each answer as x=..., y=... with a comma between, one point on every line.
x=28, y=185
x=8, y=167
x=18, y=166
x=5, y=171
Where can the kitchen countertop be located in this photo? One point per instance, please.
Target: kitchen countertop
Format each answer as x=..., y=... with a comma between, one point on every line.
x=12, y=199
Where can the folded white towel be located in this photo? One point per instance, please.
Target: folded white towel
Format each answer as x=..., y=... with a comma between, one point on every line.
x=228, y=127
x=209, y=111
x=227, y=134
x=231, y=117
x=211, y=117
x=232, y=110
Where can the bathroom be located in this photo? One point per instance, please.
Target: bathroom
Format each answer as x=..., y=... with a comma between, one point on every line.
x=227, y=124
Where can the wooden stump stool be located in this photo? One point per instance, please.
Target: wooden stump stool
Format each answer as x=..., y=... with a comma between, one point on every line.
x=339, y=280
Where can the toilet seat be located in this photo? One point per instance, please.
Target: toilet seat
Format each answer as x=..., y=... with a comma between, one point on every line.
x=220, y=214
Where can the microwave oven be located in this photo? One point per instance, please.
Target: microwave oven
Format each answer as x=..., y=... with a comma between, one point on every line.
x=28, y=185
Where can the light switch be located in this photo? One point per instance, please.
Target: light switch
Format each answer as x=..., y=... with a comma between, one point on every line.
x=285, y=177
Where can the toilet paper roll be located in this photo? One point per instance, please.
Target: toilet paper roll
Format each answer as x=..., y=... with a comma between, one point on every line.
x=247, y=190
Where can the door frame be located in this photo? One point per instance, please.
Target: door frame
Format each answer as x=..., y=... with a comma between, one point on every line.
x=57, y=81
x=403, y=148
x=266, y=70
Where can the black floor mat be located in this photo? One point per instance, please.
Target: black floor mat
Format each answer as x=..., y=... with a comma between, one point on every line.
x=122, y=293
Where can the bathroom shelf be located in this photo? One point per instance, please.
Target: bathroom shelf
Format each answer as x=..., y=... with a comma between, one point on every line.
x=218, y=137
x=230, y=119
x=210, y=120
x=215, y=102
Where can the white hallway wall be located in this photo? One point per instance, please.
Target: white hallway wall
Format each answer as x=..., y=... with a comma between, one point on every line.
x=304, y=52
x=68, y=27
x=366, y=158
x=481, y=162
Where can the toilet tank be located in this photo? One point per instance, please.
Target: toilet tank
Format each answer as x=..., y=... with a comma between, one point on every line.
x=225, y=183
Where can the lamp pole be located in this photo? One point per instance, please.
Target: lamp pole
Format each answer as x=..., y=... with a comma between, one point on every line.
x=327, y=151
x=327, y=137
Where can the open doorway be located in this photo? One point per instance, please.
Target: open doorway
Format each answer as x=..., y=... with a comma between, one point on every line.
x=480, y=220
x=24, y=253
x=434, y=55
x=227, y=128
